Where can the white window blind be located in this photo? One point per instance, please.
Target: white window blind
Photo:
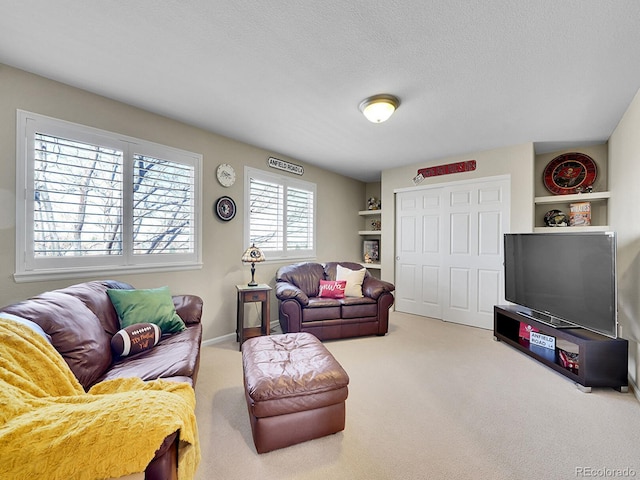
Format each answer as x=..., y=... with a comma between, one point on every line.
x=77, y=198
x=98, y=201
x=266, y=213
x=300, y=215
x=280, y=215
x=163, y=207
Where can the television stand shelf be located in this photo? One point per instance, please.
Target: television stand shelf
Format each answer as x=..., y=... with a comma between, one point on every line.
x=602, y=361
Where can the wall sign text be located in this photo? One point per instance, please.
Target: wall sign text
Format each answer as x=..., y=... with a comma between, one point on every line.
x=286, y=166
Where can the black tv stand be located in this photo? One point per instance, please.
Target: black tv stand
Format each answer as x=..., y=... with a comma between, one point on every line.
x=602, y=360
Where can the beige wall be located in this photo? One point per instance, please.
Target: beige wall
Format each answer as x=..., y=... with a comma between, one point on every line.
x=516, y=161
x=624, y=163
x=339, y=198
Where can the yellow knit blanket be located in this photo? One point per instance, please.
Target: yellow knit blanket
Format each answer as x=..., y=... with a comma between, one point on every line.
x=50, y=428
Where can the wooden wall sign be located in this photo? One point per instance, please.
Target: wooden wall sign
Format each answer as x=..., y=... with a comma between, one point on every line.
x=286, y=166
x=457, y=167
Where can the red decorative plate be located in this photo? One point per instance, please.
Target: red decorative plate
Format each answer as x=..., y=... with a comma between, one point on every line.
x=570, y=173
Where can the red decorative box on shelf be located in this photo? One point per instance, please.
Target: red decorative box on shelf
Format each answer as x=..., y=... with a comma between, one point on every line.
x=569, y=360
x=525, y=330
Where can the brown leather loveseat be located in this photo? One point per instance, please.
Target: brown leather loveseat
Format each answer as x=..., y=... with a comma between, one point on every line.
x=301, y=309
x=81, y=320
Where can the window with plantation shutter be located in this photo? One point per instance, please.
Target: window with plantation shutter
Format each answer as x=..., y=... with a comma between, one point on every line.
x=97, y=201
x=280, y=215
x=163, y=207
x=77, y=190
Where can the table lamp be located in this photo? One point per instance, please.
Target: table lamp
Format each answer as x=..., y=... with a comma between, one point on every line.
x=253, y=255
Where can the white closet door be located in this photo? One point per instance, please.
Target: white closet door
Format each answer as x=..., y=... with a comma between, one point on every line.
x=449, y=242
x=419, y=252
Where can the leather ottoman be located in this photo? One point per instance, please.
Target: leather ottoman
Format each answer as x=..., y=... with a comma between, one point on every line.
x=295, y=390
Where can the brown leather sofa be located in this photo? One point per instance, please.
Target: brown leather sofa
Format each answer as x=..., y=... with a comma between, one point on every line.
x=302, y=310
x=81, y=320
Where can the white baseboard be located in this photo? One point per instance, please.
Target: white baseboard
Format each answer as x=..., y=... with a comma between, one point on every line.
x=224, y=338
x=634, y=389
x=232, y=336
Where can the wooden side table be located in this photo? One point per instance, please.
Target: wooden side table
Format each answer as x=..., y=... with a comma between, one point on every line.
x=247, y=294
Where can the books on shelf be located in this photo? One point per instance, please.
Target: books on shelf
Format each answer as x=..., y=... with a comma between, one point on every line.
x=580, y=214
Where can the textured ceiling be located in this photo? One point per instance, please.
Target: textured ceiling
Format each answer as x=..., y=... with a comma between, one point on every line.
x=288, y=75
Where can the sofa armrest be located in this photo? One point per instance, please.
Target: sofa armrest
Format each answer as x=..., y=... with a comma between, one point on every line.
x=373, y=287
x=164, y=465
x=288, y=291
x=188, y=307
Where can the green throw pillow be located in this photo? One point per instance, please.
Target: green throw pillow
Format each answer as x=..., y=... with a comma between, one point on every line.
x=153, y=305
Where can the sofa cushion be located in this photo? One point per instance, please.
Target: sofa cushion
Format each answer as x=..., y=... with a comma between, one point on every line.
x=75, y=331
x=94, y=296
x=153, y=305
x=332, y=288
x=135, y=338
x=321, y=309
x=174, y=356
x=359, y=307
x=323, y=302
x=330, y=269
x=306, y=276
x=354, y=280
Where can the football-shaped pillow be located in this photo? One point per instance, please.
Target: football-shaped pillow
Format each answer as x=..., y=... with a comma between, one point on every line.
x=135, y=338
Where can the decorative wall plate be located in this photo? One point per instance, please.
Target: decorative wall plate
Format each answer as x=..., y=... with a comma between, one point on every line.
x=570, y=173
x=226, y=175
x=225, y=208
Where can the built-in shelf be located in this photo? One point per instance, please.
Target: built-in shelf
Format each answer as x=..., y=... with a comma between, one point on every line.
x=590, y=228
x=369, y=233
x=373, y=266
x=599, y=216
x=578, y=197
x=365, y=213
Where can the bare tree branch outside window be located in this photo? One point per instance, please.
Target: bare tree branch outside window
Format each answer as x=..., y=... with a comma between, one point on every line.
x=78, y=198
x=78, y=193
x=163, y=209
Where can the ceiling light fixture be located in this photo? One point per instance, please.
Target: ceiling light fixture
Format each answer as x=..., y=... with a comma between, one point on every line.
x=379, y=108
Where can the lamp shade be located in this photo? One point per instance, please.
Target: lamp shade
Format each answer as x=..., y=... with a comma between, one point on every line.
x=253, y=255
x=379, y=108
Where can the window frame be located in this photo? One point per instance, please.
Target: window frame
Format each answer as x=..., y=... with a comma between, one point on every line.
x=29, y=268
x=286, y=182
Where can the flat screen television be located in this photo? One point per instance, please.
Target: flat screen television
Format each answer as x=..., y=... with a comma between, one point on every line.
x=564, y=279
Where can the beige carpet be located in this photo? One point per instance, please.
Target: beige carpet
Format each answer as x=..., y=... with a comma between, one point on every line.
x=431, y=400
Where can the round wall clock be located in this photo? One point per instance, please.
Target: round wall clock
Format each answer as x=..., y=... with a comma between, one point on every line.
x=226, y=175
x=225, y=208
x=570, y=173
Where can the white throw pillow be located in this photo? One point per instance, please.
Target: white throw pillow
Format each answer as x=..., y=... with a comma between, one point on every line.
x=354, y=280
